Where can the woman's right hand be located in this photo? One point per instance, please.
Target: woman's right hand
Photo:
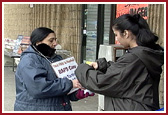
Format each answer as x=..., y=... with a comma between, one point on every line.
x=76, y=84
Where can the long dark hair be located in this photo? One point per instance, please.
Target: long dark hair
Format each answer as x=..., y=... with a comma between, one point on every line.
x=39, y=34
x=139, y=27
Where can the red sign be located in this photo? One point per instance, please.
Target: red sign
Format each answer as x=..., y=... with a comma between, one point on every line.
x=132, y=9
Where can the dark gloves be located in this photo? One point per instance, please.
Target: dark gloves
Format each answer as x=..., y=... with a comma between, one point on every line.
x=102, y=64
x=80, y=94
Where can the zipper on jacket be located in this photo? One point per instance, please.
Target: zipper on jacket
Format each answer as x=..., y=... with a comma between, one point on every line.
x=63, y=102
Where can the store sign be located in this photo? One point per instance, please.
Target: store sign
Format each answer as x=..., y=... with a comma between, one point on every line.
x=132, y=9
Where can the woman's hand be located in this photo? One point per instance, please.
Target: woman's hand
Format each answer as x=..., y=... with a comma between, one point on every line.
x=94, y=64
x=81, y=94
x=76, y=84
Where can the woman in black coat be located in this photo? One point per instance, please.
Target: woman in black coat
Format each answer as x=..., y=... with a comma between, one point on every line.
x=131, y=83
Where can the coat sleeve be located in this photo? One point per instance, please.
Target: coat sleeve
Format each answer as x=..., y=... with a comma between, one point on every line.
x=112, y=82
x=103, y=64
x=73, y=97
x=33, y=77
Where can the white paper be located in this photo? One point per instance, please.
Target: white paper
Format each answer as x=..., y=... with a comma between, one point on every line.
x=66, y=68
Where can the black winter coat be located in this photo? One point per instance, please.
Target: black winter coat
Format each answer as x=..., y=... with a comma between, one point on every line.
x=130, y=83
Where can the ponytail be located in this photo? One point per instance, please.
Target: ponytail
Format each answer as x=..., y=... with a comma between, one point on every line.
x=144, y=37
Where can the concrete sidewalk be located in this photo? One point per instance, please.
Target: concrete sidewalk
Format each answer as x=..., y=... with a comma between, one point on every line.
x=87, y=104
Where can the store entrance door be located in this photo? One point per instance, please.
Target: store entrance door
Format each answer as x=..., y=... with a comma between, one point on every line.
x=95, y=29
x=89, y=32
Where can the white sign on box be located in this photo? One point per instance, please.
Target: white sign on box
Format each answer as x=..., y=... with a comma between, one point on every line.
x=66, y=68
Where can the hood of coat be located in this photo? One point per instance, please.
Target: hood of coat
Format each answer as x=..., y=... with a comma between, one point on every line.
x=153, y=59
x=29, y=50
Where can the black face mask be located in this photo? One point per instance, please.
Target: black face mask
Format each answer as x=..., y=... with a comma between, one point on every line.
x=45, y=50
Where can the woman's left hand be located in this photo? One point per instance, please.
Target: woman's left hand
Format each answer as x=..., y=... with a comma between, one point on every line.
x=94, y=65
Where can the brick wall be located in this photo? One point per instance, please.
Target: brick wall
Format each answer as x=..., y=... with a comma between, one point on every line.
x=156, y=23
x=16, y=20
x=64, y=19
